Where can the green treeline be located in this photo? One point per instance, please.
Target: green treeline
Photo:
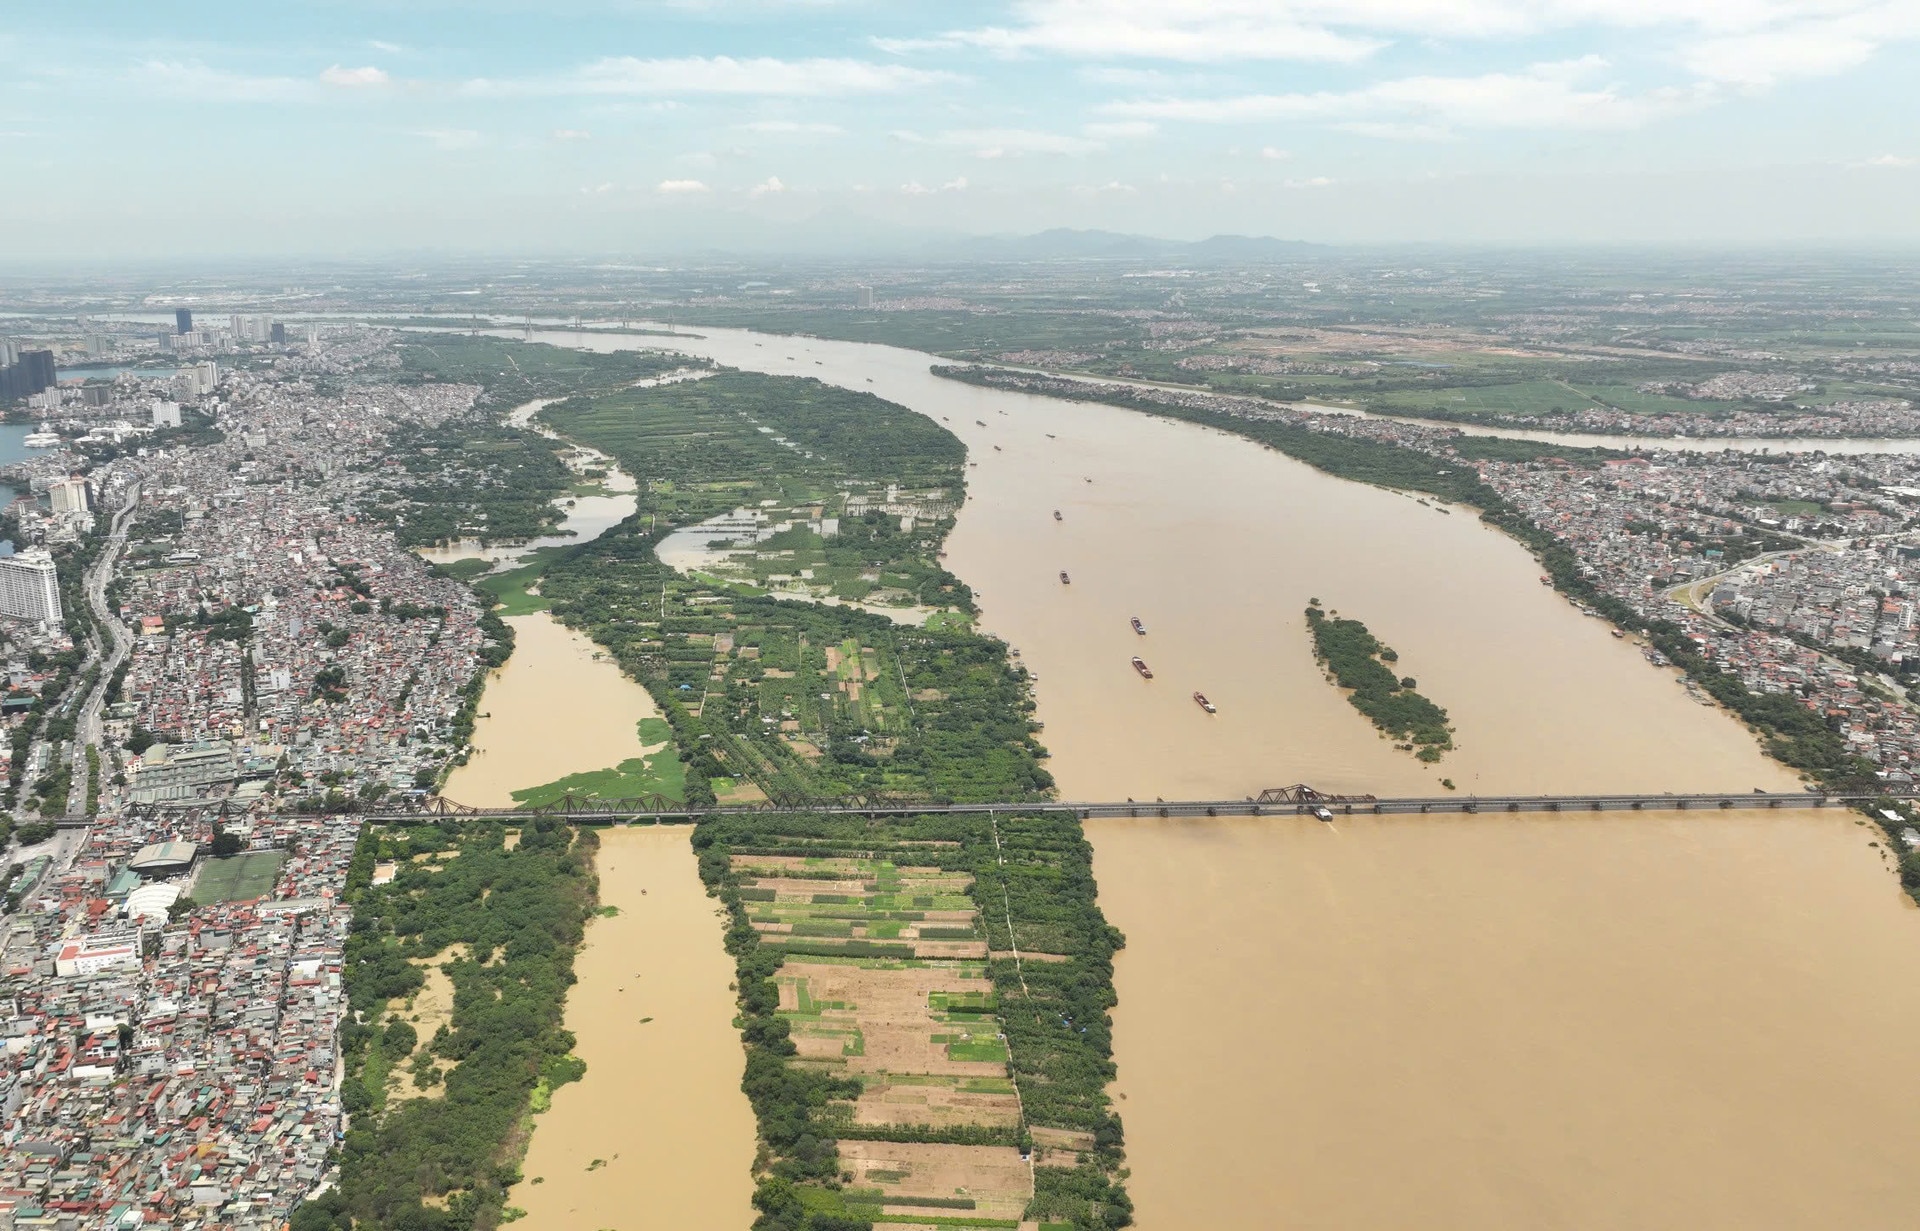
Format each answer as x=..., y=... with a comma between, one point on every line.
x=1791, y=732
x=437, y=1164
x=1359, y=663
x=799, y=701
x=473, y=476
x=468, y=477
x=701, y=448
x=1055, y=1014
x=944, y=715
x=511, y=373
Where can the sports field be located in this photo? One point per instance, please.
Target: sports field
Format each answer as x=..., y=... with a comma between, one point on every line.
x=237, y=878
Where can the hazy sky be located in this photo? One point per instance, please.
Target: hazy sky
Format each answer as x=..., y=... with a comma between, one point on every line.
x=157, y=129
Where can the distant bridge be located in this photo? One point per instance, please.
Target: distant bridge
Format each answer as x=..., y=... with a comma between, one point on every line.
x=1296, y=800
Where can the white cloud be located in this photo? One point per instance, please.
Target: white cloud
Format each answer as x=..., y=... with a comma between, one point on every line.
x=450, y=138
x=771, y=184
x=1318, y=181
x=793, y=127
x=390, y=48
x=354, y=78
x=596, y=189
x=1885, y=160
x=914, y=188
x=680, y=188
x=1183, y=30
x=192, y=79
x=1802, y=49
x=1003, y=142
x=1746, y=43
x=1274, y=153
x=572, y=134
x=1120, y=130
x=629, y=75
x=1545, y=96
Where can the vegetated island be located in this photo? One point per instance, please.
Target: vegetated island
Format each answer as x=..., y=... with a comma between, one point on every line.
x=970, y=955
x=1359, y=663
x=847, y=932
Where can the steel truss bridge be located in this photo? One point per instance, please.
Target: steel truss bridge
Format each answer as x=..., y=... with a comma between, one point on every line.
x=1296, y=800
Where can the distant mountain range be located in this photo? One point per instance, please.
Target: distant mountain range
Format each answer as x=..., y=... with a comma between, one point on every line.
x=1066, y=244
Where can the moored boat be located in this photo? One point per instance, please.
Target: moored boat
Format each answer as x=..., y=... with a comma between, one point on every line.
x=1200, y=699
x=1064, y=579
x=1138, y=627
x=1056, y=515
x=1145, y=671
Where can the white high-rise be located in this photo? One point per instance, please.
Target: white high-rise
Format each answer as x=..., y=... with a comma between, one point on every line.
x=68, y=496
x=30, y=587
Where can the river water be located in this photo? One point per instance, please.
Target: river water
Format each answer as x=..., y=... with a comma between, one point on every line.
x=1487, y=1021
x=557, y=707
x=660, y=1106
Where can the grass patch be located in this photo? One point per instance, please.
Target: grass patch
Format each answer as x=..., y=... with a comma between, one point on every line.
x=659, y=773
x=464, y=570
x=238, y=878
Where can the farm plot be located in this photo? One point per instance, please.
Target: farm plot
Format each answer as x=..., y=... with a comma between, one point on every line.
x=886, y=982
x=864, y=908
x=948, y=1185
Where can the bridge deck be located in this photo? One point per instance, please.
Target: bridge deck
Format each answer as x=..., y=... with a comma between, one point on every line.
x=1336, y=805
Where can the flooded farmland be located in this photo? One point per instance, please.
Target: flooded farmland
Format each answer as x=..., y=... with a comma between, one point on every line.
x=1489, y=1021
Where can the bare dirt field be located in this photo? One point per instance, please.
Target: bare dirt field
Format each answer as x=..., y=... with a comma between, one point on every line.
x=995, y=1178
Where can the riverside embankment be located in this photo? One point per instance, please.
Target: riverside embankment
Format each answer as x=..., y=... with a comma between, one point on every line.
x=1489, y=1021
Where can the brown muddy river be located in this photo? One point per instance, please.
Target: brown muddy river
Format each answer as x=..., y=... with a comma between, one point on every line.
x=1626, y=1021
x=556, y=708
x=660, y=1107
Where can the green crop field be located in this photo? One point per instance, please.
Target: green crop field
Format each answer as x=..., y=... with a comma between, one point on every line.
x=237, y=878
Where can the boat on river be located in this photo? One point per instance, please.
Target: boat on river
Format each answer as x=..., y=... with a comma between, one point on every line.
x=45, y=438
x=1200, y=699
x=1140, y=665
x=1056, y=515
x=1064, y=579
x=1138, y=627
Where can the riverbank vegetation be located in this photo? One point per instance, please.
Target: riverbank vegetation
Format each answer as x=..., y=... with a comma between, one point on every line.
x=504, y=924
x=1366, y=668
x=897, y=1048
x=474, y=476
x=511, y=373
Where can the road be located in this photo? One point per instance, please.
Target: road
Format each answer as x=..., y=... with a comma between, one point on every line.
x=88, y=728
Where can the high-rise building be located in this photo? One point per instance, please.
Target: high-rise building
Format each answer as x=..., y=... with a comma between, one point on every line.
x=9, y=351
x=30, y=587
x=183, y=320
x=166, y=414
x=278, y=334
x=866, y=297
x=31, y=372
x=68, y=496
